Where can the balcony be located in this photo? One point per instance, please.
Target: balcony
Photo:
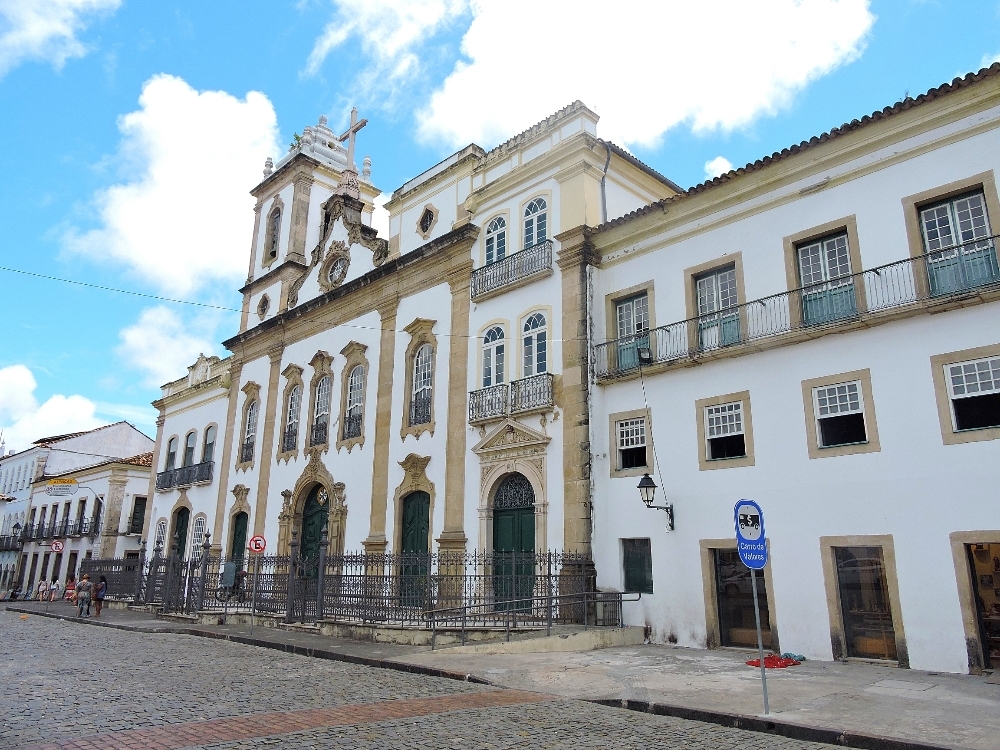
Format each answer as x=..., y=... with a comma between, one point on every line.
x=420, y=407
x=246, y=452
x=521, y=267
x=185, y=476
x=521, y=396
x=866, y=298
x=290, y=439
x=319, y=433
x=10, y=543
x=352, y=426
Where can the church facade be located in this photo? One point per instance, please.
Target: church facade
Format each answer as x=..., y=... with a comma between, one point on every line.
x=550, y=321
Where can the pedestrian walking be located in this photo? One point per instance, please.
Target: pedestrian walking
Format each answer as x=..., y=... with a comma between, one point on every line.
x=55, y=590
x=42, y=591
x=71, y=588
x=83, y=591
x=99, y=593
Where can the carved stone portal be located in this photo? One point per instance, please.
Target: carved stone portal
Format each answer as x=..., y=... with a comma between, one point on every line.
x=314, y=472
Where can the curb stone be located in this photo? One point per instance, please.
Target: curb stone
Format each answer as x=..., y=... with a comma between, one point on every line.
x=745, y=722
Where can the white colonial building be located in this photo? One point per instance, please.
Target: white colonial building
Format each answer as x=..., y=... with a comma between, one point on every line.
x=816, y=331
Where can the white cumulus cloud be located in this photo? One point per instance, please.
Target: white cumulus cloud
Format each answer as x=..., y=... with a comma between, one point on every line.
x=183, y=218
x=644, y=65
x=715, y=167
x=390, y=32
x=45, y=29
x=23, y=420
x=161, y=345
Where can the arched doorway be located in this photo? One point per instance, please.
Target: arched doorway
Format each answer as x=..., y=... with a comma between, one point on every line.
x=181, y=520
x=238, y=549
x=514, y=541
x=414, y=545
x=314, y=515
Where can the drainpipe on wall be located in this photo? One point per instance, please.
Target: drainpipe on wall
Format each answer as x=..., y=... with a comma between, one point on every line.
x=604, y=181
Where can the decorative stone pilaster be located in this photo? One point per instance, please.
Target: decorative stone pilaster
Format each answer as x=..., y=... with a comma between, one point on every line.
x=376, y=541
x=112, y=513
x=267, y=440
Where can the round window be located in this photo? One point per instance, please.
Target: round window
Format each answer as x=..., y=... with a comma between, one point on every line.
x=337, y=270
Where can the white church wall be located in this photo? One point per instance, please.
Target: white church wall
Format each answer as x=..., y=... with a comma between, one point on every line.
x=283, y=232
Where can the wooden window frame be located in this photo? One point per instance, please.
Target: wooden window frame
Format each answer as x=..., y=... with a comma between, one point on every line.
x=421, y=332
x=354, y=355
x=613, y=420
x=704, y=462
x=949, y=435
x=872, y=445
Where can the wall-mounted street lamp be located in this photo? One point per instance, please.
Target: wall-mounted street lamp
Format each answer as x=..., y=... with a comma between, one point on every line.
x=647, y=490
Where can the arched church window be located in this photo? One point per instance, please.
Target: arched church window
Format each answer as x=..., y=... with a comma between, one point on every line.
x=493, y=357
x=198, y=537
x=535, y=222
x=423, y=384
x=208, y=450
x=355, y=402
x=535, y=345
x=171, y=461
x=161, y=534
x=291, y=436
x=274, y=228
x=496, y=240
x=426, y=220
x=189, y=443
x=250, y=435
x=321, y=422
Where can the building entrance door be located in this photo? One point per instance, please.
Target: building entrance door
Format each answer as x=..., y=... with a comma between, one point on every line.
x=414, y=540
x=239, y=549
x=313, y=522
x=984, y=566
x=514, y=542
x=181, y=519
x=864, y=603
x=734, y=590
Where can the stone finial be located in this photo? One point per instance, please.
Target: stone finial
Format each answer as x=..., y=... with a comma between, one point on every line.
x=322, y=121
x=366, y=167
x=268, y=167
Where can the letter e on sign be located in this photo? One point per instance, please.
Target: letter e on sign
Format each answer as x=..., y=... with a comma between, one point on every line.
x=257, y=544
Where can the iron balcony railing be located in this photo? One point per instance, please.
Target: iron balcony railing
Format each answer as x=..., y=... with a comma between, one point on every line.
x=352, y=426
x=246, y=452
x=528, y=262
x=319, y=433
x=185, y=476
x=420, y=407
x=497, y=401
x=290, y=439
x=8, y=543
x=951, y=272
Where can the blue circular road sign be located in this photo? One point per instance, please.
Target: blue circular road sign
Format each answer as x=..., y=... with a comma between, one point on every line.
x=749, y=519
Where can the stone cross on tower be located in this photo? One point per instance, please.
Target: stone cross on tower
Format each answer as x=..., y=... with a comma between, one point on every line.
x=349, y=136
x=349, y=184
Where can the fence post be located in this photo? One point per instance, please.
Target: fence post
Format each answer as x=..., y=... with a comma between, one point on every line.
x=139, y=570
x=204, y=572
x=548, y=590
x=168, y=592
x=154, y=571
x=321, y=574
x=293, y=549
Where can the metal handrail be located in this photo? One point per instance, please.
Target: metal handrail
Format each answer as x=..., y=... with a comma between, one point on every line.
x=818, y=306
x=514, y=267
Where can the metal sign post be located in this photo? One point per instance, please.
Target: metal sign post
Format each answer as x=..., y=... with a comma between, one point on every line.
x=253, y=596
x=752, y=547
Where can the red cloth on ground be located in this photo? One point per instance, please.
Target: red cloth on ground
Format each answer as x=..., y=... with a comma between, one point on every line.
x=773, y=661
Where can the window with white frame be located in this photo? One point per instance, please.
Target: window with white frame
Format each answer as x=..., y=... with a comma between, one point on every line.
x=824, y=260
x=535, y=222
x=631, y=443
x=171, y=454
x=496, y=240
x=423, y=383
x=632, y=315
x=291, y=436
x=197, y=537
x=356, y=391
x=250, y=434
x=974, y=391
x=840, y=414
x=322, y=412
x=189, y=444
x=208, y=449
x=716, y=291
x=535, y=345
x=161, y=534
x=493, y=357
x=954, y=222
x=724, y=431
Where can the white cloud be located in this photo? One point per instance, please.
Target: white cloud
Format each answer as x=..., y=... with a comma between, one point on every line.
x=988, y=60
x=184, y=218
x=159, y=344
x=718, y=165
x=644, y=65
x=45, y=29
x=390, y=32
x=23, y=420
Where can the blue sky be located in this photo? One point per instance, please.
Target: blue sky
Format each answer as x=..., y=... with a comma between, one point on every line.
x=131, y=132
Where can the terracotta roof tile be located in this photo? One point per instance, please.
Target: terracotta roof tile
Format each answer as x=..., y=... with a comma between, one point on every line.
x=848, y=127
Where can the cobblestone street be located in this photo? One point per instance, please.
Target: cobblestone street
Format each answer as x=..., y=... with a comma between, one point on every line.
x=67, y=685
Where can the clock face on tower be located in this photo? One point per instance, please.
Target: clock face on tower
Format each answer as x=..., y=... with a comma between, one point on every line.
x=337, y=271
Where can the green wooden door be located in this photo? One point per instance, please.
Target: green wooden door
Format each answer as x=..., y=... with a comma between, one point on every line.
x=414, y=561
x=181, y=530
x=239, y=548
x=313, y=521
x=514, y=542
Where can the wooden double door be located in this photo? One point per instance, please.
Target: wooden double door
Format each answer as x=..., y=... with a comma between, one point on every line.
x=514, y=542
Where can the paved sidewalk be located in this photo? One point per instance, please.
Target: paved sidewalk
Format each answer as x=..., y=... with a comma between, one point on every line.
x=872, y=706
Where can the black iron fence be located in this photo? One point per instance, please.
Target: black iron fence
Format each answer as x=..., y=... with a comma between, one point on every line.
x=40, y=531
x=185, y=476
x=431, y=590
x=513, y=268
x=497, y=401
x=955, y=271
